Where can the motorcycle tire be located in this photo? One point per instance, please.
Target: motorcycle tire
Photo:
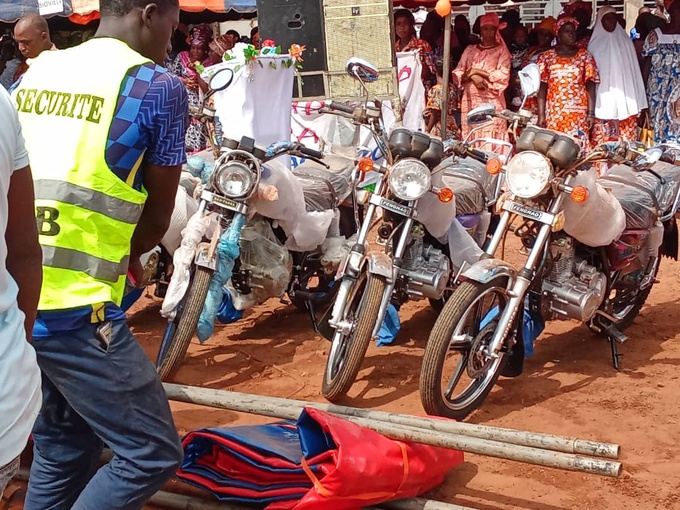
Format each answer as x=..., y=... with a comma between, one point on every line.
x=438, y=347
x=365, y=307
x=186, y=328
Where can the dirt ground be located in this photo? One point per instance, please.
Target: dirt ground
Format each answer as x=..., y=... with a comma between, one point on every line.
x=569, y=387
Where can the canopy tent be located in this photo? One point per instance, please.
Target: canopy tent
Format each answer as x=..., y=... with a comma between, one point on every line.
x=84, y=11
x=429, y=4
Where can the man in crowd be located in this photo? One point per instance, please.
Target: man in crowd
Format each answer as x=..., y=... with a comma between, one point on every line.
x=20, y=277
x=33, y=37
x=106, y=140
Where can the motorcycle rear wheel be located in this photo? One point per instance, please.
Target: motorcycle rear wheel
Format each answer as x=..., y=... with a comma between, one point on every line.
x=348, y=352
x=451, y=324
x=170, y=361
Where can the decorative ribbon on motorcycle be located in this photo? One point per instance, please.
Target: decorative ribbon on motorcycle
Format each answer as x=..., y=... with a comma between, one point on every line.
x=227, y=253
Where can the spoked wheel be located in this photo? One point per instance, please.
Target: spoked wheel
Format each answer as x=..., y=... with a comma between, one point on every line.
x=457, y=372
x=178, y=335
x=348, y=350
x=626, y=301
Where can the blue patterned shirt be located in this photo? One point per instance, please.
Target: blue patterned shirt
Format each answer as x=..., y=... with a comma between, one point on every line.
x=149, y=125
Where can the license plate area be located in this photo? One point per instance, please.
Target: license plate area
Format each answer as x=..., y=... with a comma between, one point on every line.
x=392, y=206
x=224, y=203
x=529, y=213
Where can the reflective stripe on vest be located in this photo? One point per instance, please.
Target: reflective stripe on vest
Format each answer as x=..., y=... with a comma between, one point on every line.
x=86, y=214
x=114, y=208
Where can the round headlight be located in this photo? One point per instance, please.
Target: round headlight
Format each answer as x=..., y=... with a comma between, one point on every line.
x=410, y=179
x=528, y=174
x=234, y=180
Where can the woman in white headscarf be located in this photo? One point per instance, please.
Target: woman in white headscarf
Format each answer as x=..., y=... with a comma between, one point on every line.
x=620, y=95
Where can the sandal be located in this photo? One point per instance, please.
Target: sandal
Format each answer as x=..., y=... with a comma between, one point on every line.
x=13, y=497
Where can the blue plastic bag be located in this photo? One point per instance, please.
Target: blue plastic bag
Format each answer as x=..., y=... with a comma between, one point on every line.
x=390, y=327
x=532, y=327
x=227, y=313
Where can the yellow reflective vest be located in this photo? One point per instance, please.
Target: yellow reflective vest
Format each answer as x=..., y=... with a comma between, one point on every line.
x=86, y=214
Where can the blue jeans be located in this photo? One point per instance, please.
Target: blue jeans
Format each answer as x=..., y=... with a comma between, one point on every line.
x=94, y=394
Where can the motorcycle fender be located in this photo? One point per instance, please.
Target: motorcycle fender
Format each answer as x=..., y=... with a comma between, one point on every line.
x=379, y=264
x=486, y=270
x=202, y=259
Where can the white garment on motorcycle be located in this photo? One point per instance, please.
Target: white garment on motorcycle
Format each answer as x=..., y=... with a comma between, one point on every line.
x=598, y=221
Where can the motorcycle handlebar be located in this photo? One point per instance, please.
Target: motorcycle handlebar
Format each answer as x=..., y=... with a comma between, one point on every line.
x=311, y=153
x=341, y=107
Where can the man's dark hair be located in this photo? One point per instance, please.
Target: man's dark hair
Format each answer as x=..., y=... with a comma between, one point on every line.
x=236, y=35
x=123, y=7
x=254, y=31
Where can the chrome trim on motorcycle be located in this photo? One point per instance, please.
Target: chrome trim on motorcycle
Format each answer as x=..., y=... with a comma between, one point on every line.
x=224, y=203
x=486, y=270
x=392, y=206
x=529, y=213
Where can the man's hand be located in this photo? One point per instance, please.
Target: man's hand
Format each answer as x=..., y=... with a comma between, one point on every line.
x=479, y=82
x=136, y=271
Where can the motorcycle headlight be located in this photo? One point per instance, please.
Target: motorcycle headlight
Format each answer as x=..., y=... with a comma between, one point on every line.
x=234, y=180
x=409, y=179
x=528, y=174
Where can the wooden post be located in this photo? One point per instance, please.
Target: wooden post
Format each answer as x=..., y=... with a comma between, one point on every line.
x=446, y=75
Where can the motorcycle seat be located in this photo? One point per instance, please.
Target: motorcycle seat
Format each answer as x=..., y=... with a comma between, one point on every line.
x=642, y=195
x=325, y=188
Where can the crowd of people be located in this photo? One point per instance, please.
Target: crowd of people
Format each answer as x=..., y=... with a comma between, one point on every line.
x=598, y=83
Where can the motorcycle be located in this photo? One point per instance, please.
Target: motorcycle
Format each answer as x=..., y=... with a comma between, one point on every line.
x=577, y=267
x=244, y=242
x=418, y=211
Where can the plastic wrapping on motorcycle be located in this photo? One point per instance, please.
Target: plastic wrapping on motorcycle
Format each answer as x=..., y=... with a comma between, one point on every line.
x=436, y=216
x=193, y=233
x=472, y=185
x=268, y=262
x=584, y=222
x=319, y=462
x=338, y=179
x=640, y=192
x=311, y=231
x=227, y=253
x=185, y=207
x=462, y=246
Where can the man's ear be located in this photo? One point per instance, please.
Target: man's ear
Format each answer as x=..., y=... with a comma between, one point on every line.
x=148, y=12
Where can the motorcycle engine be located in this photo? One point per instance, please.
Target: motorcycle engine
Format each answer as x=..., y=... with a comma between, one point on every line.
x=573, y=289
x=426, y=267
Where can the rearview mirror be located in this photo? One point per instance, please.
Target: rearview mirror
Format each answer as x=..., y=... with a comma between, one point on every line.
x=221, y=80
x=481, y=114
x=530, y=80
x=362, y=70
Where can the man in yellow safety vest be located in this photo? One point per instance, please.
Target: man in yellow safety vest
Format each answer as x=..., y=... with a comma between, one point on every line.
x=104, y=126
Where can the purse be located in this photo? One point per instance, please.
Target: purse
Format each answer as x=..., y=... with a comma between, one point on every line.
x=647, y=133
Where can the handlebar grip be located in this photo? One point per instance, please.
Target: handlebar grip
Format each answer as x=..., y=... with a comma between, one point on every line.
x=669, y=158
x=341, y=107
x=478, y=155
x=311, y=153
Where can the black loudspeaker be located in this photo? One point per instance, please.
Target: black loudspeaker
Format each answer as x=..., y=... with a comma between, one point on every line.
x=289, y=22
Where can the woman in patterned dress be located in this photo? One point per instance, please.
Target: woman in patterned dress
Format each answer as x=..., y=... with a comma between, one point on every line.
x=405, y=28
x=620, y=95
x=662, y=69
x=435, y=103
x=484, y=73
x=566, y=99
x=184, y=66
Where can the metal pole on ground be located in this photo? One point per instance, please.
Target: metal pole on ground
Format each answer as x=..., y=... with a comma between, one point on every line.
x=290, y=409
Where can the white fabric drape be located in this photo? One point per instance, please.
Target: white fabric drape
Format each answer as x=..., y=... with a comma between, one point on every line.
x=621, y=92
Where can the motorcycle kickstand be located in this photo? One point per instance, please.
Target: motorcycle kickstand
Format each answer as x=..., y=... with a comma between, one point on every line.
x=312, y=315
x=615, y=337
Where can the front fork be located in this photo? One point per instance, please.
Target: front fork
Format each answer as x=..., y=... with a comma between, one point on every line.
x=522, y=282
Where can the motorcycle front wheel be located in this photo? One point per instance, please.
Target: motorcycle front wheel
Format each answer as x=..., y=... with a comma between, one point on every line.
x=348, y=351
x=174, y=349
x=463, y=332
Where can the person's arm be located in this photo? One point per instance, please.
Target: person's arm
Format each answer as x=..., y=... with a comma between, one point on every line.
x=590, y=89
x=162, y=166
x=460, y=73
x=24, y=256
x=499, y=78
x=542, y=94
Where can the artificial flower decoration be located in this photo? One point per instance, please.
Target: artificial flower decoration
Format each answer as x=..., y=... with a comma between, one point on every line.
x=269, y=48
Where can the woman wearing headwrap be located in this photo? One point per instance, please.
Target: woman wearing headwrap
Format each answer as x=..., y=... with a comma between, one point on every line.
x=483, y=73
x=662, y=69
x=566, y=99
x=583, y=13
x=405, y=28
x=185, y=66
x=620, y=95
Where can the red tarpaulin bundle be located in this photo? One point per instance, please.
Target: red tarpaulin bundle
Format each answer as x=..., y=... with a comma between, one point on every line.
x=320, y=462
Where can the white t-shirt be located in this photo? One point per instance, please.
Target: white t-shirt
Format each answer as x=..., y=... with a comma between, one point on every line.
x=20, y=396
